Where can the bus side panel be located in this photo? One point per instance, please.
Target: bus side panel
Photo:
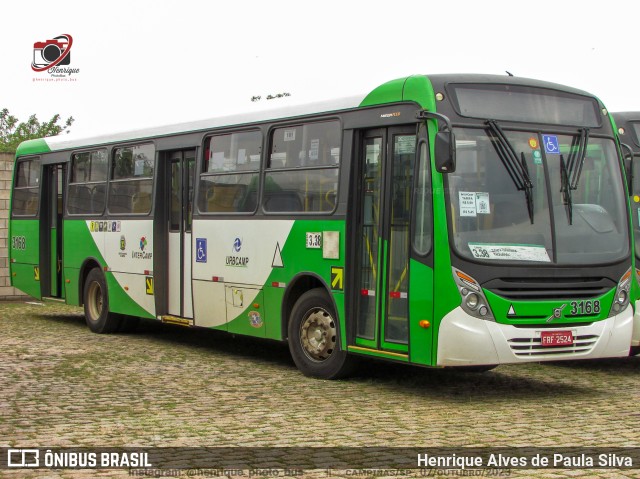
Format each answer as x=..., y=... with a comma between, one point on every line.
x=125, y=295
x=128, y=252
x=301, y=254
x=258, y=259
x=78, y=245
x=420, y=308
x=24, y=247
x=240, y=256
x=102, y=239
x=72, y=286
x=273, y=297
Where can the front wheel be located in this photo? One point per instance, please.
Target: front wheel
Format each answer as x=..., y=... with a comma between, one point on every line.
x=96, y=304
x=313, y=337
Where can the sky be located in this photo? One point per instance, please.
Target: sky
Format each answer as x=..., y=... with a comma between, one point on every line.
x=143, y=63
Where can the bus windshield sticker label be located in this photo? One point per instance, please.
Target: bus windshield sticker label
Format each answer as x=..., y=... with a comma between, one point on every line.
x=201, y=250
x=473, y=204
x=314, y=240
x=551, y=145
x=467, y=203
x=509, y=252
x=537, y=157
x=482, y=204
x=290, y=135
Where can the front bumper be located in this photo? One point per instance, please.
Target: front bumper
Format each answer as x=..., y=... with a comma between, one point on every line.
x=467, y=341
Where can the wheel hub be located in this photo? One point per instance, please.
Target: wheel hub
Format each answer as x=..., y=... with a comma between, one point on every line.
x=318, y=335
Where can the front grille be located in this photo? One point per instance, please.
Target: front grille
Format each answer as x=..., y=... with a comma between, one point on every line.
x=542, y=288
x=532, y=347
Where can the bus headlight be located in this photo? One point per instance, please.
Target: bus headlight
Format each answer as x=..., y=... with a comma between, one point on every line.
x=473, y=302
x=621, y=299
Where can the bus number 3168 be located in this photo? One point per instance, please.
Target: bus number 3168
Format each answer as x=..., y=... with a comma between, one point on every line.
x=18, y=242
x=579, y=308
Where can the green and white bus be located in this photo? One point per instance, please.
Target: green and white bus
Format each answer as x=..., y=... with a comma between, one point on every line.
x=444, y=220
x=628, y=128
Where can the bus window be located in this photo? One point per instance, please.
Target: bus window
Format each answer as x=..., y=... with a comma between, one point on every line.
x=87, y=188
x=302, y=174
x=229, y=180
x=131, y=182
x=423, y=220
x=27, y=187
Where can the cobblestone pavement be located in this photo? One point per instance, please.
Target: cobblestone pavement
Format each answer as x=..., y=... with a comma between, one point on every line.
x=63, y=386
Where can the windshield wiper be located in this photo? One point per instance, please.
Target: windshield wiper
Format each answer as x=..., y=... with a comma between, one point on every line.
x=517, y=168
x=571, y=170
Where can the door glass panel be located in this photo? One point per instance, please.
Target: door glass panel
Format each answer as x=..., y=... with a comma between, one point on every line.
x=176, y=203
x=190, y=158
x=371, y=182
x=404, y=149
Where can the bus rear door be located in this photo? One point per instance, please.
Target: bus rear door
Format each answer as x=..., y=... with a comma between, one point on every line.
x=182, y=166
x=51, y=268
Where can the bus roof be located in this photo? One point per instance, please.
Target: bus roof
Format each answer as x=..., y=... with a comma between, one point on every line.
x=406, y=88
x=70, y=141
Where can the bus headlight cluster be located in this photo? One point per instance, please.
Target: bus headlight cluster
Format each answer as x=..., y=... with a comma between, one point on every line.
x=621, y=299
x=473, y=299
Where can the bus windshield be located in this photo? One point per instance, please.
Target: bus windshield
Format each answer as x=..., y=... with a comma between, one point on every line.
x=537, y=197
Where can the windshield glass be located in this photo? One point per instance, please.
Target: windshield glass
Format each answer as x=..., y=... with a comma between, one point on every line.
x=496, y=219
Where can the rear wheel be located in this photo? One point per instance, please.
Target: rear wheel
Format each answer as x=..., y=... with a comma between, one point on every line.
x=96, y=304
x=313, y=337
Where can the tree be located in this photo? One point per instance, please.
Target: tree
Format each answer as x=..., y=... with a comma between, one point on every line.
x=12, y=133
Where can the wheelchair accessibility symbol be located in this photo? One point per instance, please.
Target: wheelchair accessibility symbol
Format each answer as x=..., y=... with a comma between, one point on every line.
x=201, y=250
x=551, y=145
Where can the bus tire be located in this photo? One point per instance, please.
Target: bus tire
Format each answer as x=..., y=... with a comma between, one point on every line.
x=96, y=304
x=313, y=337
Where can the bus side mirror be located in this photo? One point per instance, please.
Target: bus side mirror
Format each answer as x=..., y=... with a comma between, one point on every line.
x=445, y=152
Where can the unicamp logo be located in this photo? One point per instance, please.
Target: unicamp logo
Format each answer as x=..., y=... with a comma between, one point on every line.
x=54, y=57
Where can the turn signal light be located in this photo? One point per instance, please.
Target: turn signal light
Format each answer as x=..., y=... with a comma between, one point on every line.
x=424, y=323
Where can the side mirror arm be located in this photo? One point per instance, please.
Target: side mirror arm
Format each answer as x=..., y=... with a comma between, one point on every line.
x=445, y=142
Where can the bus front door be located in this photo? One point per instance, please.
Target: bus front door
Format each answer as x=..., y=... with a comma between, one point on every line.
x=386, y=159
x=180, y=301
x=51, y=271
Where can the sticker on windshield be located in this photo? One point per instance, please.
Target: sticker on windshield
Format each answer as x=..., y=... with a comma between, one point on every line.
x=509, y=252
x=473, y=204
x=551, y=144
x=467, y=203
x=537, y=157
x=482, y=204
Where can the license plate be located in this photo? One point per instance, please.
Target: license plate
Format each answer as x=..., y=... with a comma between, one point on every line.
x=556, y=338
